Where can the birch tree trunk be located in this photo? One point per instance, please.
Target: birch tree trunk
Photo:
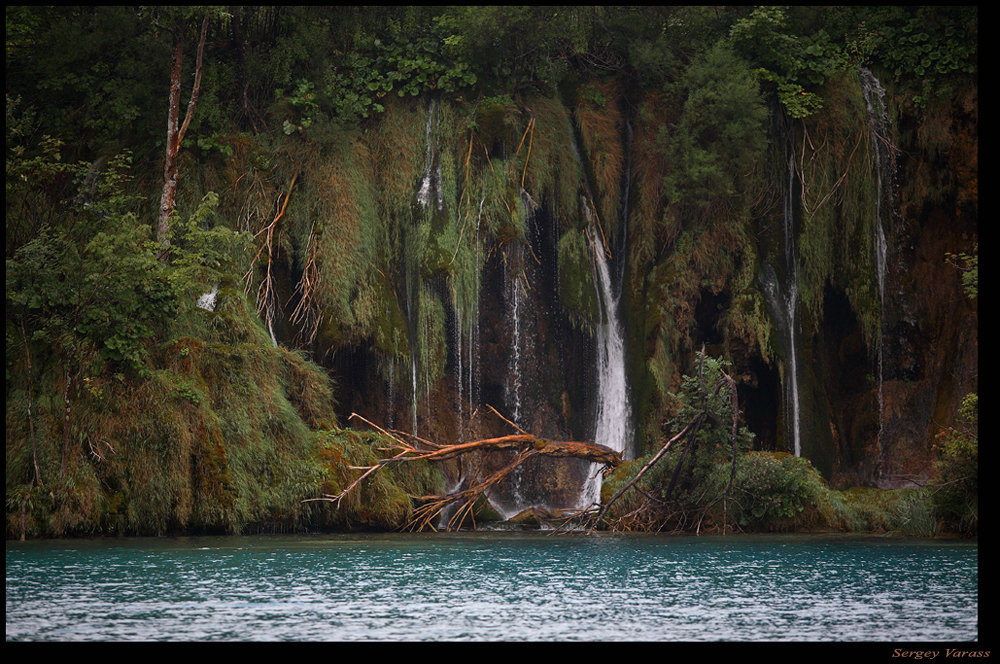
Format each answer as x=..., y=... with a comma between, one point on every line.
x=175, y=134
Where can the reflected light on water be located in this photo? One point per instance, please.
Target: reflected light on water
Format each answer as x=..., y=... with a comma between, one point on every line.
x=493, y=587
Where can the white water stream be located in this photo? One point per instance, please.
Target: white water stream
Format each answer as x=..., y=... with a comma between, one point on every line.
x=791, y=304
x=874, y=95
x=613, y=419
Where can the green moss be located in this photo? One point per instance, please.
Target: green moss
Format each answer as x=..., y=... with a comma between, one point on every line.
x=390, y=336
x=432, y=345
x=577, y=292
x=601, y=127
x=552, y=170
x=381, y=500
x=215, y=437
x=836, y=241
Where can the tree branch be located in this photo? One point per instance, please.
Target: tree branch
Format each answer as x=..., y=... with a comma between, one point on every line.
x=525, y=444
x=197, y=82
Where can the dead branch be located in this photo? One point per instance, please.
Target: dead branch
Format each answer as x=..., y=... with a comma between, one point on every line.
x=525, y=445
x=689, y=432
x=266, y=294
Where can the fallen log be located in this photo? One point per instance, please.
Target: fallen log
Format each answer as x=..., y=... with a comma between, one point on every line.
x=526, y=446
x=407, y=447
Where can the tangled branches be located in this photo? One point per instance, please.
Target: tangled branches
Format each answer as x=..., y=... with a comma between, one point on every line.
x=526, y=446
x=686, y=500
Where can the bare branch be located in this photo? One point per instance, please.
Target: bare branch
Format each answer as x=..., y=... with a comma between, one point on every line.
x=525, y=445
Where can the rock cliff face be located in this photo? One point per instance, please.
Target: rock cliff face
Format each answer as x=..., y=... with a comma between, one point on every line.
x=827, y=283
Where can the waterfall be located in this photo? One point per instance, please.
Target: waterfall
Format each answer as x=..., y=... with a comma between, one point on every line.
x=613, y=418
x=782, y=302
x=432, y=164
x=791, y=303
x=514, y=295
x=878, y=118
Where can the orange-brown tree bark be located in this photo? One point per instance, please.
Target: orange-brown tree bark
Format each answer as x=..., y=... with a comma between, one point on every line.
x=525, y=445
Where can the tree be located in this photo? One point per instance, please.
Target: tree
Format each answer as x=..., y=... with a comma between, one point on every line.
x=695, y=469
x=90, y=288
x=175, y=133
x=720, y=132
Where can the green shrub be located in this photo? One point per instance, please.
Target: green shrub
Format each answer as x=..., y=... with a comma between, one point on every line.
x=383, y=499
x=776, y=491
x=955, y=494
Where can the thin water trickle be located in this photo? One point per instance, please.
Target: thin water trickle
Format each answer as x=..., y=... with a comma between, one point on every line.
x=413, y=376
x=792, y=302
x=391, y=393
x=431, y=182
x=874, y=95
x=458, y=364
x=782, y=300
x=514, y=296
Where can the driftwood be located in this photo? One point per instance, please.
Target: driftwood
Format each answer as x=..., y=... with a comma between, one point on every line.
x=406, y=448
x=525, y=445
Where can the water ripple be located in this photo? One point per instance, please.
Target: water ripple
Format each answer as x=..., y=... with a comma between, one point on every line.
x=486, y=587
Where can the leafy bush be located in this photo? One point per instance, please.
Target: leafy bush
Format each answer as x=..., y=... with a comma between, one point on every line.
x=720, y=132
x=692, y=479
x=955, y=494
x=776, y=491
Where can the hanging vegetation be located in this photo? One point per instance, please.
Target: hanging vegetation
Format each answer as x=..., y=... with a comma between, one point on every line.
x=410, y=213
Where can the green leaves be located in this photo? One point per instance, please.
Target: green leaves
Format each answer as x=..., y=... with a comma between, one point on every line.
x=792, y=60
x=720, y=131
x=956, y=491
x=968, y=265
x=407, y=64
x=203, y=250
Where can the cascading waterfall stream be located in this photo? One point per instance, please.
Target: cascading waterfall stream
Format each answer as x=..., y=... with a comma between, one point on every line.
x=791, y=304
x=613, y=419
x=874, y=95
x=612, y=428
x=782, y=301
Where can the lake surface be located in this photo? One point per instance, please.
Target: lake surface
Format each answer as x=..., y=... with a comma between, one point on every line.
x=493, y=586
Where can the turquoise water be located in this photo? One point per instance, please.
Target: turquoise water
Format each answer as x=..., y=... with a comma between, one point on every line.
x=493, y=587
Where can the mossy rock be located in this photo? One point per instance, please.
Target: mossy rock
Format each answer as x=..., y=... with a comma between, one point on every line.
x=577, y=291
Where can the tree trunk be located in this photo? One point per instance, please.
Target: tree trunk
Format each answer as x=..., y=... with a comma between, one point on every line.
x=31, y=417
x=175, y=134
x=525, y=444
